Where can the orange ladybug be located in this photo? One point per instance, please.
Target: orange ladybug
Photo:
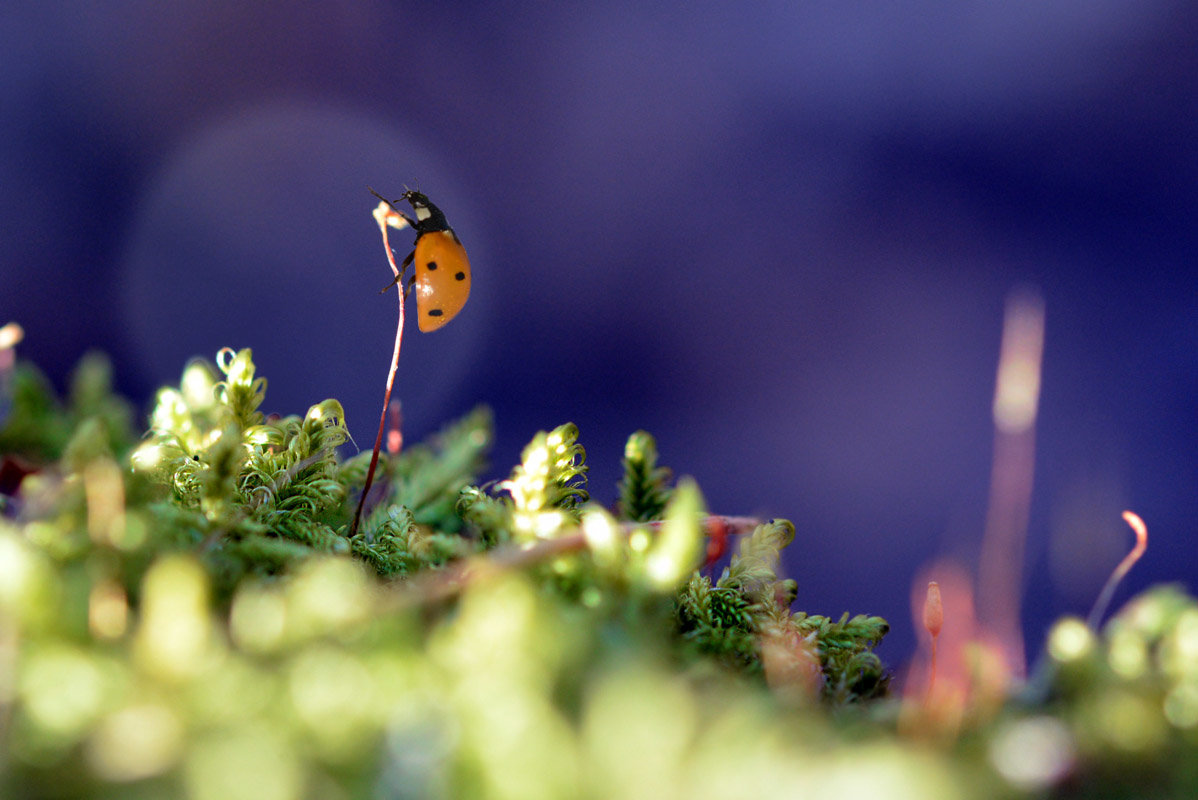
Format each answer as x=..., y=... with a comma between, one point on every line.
x=442, y=269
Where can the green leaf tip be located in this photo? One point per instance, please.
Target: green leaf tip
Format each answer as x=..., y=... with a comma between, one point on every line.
x=551, y=473
x=644, y=487
x=240, y=392
x=753, y=568
x=676, y=551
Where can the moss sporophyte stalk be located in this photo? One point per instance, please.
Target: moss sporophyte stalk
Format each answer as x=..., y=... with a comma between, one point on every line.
x=189, y=613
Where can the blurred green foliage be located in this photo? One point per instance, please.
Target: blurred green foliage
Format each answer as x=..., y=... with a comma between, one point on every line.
x=185, y=616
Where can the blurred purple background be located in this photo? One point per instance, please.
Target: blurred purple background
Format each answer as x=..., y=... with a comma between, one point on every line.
x=777, y=236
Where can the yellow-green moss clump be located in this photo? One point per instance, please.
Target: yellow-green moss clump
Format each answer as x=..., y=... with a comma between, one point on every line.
x=184, y=615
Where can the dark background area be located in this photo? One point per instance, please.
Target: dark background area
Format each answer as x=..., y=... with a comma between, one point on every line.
x=777, y=236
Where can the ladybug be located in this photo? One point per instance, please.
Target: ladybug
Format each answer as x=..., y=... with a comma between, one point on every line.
x=442, y=269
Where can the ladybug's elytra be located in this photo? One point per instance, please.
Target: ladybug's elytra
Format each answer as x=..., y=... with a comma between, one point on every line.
x=442, y=269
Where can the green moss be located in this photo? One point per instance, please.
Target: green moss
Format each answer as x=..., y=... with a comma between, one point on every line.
x=644, y=488
x=728, y=620
x=189, y=618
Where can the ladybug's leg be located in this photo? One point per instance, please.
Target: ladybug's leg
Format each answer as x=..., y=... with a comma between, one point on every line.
x=408, y=289
x=402, y=269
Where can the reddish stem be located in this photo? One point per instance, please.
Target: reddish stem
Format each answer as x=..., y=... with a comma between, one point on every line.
x=438, y=585
x=395, y=435
x=383, y=214
x=933, y=620
x=1108, y=591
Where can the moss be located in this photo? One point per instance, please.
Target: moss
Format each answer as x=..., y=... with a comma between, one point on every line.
x=189, y=617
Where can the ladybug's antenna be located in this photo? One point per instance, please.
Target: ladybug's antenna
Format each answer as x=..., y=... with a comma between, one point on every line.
x=379, y=196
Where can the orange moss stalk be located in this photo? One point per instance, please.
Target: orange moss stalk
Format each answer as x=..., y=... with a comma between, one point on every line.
x=933, y=620
x=717, y=542
x=1016, y=401
x=385, y=216
x=395, y=435
x=942, y=691
x=437, y=585
x=1120, y=571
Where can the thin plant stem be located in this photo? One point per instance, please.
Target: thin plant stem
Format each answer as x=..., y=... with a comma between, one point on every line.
x=933, y=620
x=1016, y=401
x=385, y=216
x=446, y=583
x=1104, y=597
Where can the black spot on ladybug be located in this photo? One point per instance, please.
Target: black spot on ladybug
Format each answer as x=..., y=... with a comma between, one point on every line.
x=432, y=265
x=435, y=312
x=461, y=276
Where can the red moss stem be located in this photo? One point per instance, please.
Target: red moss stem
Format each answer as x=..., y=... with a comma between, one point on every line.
x=1120, y=571
x=933, y=620
x=384, y=215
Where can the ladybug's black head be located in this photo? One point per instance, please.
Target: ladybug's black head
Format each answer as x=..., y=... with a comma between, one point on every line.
x=417, y=199
x=428, y=216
